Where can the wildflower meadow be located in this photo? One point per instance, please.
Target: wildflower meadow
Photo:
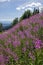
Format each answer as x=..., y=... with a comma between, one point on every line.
x=23, y=44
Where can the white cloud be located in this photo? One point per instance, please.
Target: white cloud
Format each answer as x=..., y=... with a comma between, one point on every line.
x=28, y=5
x=18, y=8
x=28, y=9
x=4, y=0
x=41, y=9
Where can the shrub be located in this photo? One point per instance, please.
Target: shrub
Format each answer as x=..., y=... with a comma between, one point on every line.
x=15, y=21
x=1, y=27
x=35, y=11
x=26, y=14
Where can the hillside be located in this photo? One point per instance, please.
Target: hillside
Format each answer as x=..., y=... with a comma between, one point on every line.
x=23, y=44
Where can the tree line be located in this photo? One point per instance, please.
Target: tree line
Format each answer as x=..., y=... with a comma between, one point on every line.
x=25, y=15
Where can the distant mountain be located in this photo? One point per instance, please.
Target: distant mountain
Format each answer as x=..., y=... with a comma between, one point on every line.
x=6, y=24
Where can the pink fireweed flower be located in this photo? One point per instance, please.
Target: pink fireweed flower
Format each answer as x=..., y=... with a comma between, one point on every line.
x=16, y=43
x=38, y=43
x=31, y=55
x=42, y=45
x=27, y=33
x=13, y=54
x=8, y=41
x=21, y=34
x=35, y=29
x=26, y=42
x=12, y=36
x=2, y=59
x=16, y=57
x=6, y=58
x=24, y=49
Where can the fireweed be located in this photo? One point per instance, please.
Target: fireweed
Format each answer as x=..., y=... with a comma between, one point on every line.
x=23, y=44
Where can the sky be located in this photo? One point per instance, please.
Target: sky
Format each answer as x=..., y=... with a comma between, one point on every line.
x=10, y=9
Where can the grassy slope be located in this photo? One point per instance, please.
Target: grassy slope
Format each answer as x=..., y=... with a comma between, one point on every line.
x=23, y=44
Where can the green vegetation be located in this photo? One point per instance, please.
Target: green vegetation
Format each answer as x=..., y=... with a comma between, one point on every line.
x=35, y=11
x=26, y=14
x=15, y=21
x=23, y=44
x=1, y=27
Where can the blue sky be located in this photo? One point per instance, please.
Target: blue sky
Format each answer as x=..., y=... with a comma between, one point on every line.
x=9, y=9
